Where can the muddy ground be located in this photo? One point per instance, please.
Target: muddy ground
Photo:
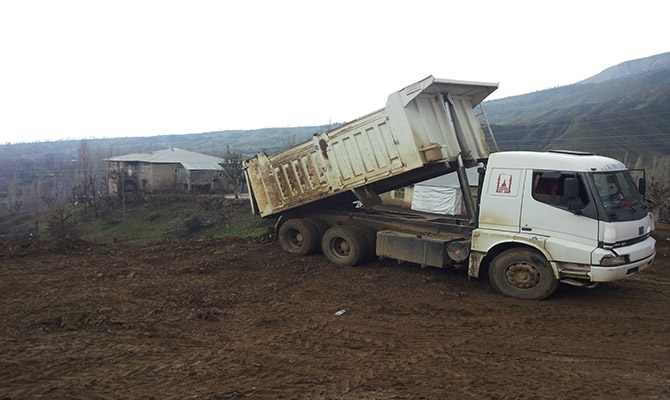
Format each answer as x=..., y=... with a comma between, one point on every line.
x=239, y=318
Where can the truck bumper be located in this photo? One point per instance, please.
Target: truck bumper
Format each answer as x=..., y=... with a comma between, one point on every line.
x=610, y=274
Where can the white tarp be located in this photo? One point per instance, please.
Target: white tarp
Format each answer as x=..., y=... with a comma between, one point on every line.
x=437, y=200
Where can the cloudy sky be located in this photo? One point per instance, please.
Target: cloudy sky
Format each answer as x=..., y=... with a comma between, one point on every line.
x=94, y=69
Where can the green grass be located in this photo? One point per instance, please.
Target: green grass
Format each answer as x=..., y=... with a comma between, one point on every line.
x=160, y=218
x=173, y=220
x=240, y=228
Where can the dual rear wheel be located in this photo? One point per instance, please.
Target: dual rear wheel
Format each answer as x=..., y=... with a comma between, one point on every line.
x=341, y=244
x=348, y=245
x=299, y=236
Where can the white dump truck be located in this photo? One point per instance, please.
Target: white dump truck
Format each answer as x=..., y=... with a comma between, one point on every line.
x=538, y=218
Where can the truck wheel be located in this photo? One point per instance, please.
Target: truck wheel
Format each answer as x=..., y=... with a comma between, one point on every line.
x=298, y=236
x=343, y=245
x=321, y=226
x=522, y=273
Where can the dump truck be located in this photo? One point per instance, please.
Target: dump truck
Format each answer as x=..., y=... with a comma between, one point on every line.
x=536, y=219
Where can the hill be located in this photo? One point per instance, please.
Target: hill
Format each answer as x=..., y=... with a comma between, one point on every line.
x=249, y=142
x=622, y=112
x=624, y=108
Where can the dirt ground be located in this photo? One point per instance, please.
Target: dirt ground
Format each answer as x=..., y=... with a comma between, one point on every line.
x=239, y=318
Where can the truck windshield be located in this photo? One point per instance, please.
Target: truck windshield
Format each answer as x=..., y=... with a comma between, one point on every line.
x=619, y=195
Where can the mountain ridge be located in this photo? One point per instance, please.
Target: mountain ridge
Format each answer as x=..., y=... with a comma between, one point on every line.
x=628, y=101
x=630, y=68
x=621, y=112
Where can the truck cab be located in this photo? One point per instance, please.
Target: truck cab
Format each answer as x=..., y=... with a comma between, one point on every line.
x=558, y=216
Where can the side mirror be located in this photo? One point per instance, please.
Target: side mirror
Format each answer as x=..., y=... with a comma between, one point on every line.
x=642, y=186
x=571, y=188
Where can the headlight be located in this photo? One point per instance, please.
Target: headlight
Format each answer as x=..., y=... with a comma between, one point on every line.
x=609, y=235
x=610, y=261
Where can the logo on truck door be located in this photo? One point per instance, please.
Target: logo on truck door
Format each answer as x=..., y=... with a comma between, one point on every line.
x=504, y=184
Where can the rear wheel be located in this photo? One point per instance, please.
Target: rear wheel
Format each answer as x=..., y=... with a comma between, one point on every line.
x=298, y=236
x=522, y=273
x=321, y=226
x=343, y=245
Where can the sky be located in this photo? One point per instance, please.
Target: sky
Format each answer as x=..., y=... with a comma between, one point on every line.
x=97, y=69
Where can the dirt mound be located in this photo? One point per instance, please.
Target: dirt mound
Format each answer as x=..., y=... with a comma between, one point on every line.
x=238, y=318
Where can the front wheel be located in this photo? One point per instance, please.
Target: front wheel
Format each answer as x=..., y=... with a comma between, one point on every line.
x=522, y=273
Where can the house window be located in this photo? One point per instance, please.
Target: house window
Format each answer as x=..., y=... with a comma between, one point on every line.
x=399, y=193
x=178, y=170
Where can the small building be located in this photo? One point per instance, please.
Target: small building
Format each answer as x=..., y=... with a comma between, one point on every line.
x=165, y=171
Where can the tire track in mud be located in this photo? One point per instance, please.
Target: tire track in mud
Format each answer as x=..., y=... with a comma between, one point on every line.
x=234, y=319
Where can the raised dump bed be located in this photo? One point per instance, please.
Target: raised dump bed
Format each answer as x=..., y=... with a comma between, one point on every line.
x=418, y=135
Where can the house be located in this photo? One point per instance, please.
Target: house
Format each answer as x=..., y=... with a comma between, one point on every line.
x=171, y=170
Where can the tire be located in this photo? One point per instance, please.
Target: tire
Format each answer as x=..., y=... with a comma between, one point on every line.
x=522, y=273
x=298, y=236
x=321, y=226
x=370, y=237
x=344, y=245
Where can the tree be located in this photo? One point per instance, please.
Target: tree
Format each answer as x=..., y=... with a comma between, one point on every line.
x=658, y=193
x=15, y=207
x=50, y=200
x=85, y=191
x=15, y=192
x=658, y=187
x=59, y=223
x=232, y=169
x=290, y=140
x=34, y=192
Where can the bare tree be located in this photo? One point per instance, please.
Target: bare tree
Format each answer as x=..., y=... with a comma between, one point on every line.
x=15, y=207
x=59, y=223
x=33, y=200
x=15, y=193
x=290, y=140
x=50, y=199
x=657, y=196
x=85, y=191
x=658, y=187
x=232, y=169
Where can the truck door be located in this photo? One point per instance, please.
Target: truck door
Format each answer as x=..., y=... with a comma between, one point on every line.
x=548, y=215
x=501, y=200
